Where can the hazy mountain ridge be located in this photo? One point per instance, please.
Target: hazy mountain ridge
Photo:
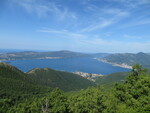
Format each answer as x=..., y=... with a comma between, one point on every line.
x=40, y=55
x=99, y=55
x=25, y=55
x=129, y=59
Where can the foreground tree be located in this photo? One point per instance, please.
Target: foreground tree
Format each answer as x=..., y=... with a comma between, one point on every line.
x=90, y=100
x=134, y=94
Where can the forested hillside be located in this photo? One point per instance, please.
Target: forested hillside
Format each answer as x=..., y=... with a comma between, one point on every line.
x=13, y=82
x=116, y=77
x=129, y=59
x=131, y=96
x=59, y=79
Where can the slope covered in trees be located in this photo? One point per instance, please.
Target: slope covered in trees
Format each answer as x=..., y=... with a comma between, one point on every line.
x=19, y=87
x=14, y=82
x=116, y=77
x=131, y=96
x=59, y=79
x=15, y=86
x=129, y=59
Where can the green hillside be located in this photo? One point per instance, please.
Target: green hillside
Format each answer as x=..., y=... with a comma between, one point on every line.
x=112, y=78
x=13, y=82
x=131, y=96
x=130, y=59
x=59, y=79
x=18, y=90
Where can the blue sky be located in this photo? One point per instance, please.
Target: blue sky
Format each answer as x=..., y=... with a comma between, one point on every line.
x=76, y=25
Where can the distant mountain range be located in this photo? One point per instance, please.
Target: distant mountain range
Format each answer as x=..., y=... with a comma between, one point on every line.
x=39, y=55
x=129, y=59
x=46, y=55
x=99, y=55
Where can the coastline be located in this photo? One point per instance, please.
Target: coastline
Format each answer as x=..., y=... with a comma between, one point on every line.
x=123, y=65
x=89, y=76
x=1, y=60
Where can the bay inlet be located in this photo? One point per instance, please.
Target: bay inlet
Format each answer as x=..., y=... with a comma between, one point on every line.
x=80, y=64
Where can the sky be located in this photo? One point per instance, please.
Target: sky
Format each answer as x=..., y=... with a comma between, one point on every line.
x=110, y=26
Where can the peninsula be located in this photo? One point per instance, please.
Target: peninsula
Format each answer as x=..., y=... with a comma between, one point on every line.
x=123, y=65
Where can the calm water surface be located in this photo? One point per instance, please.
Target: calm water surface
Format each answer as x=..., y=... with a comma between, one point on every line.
x=84, y=64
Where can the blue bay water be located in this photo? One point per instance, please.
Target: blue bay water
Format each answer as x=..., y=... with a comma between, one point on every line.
x=84, y=64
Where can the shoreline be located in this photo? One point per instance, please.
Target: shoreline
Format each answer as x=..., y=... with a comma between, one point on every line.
x=89, y=76
x=123, y=65
x=42, y=58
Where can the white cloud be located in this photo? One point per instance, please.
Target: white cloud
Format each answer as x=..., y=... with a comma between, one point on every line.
x=96, y=43
x=44, y=8
x=138, y=21
x=131, y=4
x=65, y=33
x=141, y=22
x=97, y=25
x=131, y=37
x=106, y=19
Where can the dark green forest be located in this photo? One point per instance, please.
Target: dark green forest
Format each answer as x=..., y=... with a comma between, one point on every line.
x=20, y=93
x=63, y=80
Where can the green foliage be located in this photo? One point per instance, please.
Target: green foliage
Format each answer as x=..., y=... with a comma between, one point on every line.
x=15, y=86
x=135, y=92
x=137, y=70
x=53, y=102
x=87, y=101
x=112, y=78
x=15, y=83
x=130, y=96
x=59, y=79
x=56, y=102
